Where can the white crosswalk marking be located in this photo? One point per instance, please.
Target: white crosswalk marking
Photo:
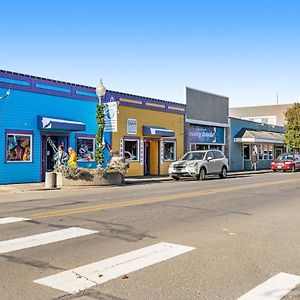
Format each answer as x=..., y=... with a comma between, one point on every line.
x=79, y=279
x=43, y=239
x=11, y=220
x=273, y=289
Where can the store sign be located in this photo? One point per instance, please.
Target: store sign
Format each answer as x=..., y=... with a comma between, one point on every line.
x=206, y=134
x=131, y=126
x=111, y=116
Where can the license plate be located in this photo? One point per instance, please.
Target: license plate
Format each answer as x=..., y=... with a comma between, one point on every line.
x=278, y=167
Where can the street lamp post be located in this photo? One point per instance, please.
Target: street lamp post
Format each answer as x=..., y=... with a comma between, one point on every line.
x=99, y=155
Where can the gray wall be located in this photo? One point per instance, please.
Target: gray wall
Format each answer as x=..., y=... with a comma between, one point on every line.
x=206, y=107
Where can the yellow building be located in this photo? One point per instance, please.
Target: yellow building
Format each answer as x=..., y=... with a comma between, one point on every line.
x=150, y=133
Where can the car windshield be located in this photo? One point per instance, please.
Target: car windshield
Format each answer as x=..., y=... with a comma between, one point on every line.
x=285, y=156
x=193, y=156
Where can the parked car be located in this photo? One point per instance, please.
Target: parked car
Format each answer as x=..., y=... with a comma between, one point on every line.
x=198, y=164
x=286, y=162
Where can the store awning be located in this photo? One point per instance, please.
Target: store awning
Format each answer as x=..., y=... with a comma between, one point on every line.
x=157, y=131
x=59, y=124
x=258, y=136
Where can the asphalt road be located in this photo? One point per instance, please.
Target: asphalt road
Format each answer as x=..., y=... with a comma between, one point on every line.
x=245, y=230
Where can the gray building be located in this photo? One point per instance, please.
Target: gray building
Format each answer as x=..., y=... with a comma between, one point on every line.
x=206, y=120
x=266, y=114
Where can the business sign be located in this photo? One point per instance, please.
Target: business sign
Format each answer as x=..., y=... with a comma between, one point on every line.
x=131, y=126
x=111, y=116
x=206, y=134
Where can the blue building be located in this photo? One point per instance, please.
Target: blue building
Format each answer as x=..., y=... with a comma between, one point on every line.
x=37, y=116
x=248, y=137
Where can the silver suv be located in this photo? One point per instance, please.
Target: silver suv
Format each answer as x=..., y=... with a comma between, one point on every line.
x=198, y=164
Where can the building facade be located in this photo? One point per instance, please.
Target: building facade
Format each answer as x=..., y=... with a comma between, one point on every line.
x=206, y=120
x=246, y=138
x=40, y=114
x=266, y=114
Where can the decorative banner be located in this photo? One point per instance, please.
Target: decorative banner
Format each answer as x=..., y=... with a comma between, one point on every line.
x=206, y=134
x=161, y=152
x=142, y=152
x=131, y=126
x=121, y=148
x=111, y=117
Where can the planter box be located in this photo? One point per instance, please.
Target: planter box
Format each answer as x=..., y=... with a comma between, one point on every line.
x=113, y=178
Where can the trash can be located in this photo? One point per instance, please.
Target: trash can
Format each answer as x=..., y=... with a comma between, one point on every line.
x=50, y=180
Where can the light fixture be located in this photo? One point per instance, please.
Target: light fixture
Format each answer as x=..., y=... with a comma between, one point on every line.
x=100, y=90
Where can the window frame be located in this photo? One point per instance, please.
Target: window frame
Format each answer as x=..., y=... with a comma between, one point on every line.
x=86, y=137
x=175, y=150
x=26, y=133
x=127, y=139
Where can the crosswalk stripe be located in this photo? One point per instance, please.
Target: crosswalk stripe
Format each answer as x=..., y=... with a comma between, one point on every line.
x=12, y=220
x=81, y=278
x=43, y=239
x=274, y=288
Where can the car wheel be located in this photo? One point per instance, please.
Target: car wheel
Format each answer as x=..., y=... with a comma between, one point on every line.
x=202, y=174
x=294, y=168
x=175, y=178
x=223, y=172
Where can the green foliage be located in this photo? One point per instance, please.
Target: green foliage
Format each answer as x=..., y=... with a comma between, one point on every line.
x=99, y=155
x=292, y=127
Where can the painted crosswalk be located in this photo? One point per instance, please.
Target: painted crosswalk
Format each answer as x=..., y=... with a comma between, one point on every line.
x=274, y=288
x=11, y=220
x=43, y=239
x=84, y=277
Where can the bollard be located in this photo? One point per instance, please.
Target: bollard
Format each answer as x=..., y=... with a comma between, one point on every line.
x=50, y=180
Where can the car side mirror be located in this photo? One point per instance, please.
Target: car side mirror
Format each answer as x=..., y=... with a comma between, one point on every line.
x=209, y=158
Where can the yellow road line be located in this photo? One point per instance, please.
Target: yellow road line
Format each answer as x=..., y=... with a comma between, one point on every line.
x=150, y=200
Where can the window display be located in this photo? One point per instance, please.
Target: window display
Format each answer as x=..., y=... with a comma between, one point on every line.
x=131, y=150
x=85, y=149
x=18, y=147
x=169, y=151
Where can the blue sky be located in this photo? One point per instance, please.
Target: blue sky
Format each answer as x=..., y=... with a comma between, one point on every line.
x=246, y=50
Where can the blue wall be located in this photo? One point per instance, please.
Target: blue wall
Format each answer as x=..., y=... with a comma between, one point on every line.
x=19, y=111
x=236, y=149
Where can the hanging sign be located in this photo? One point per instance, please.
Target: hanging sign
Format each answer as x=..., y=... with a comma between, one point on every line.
x=111, y=116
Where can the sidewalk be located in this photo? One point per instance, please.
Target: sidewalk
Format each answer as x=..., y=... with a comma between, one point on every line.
x=26, y=187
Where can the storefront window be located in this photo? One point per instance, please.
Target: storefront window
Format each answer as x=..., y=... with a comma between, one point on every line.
x=270, y=151
x=170, y=151
x=18, y=147
x=85, y=149
x=260, y=152
x=265, y=152
x=131, y=150
x=246, y=152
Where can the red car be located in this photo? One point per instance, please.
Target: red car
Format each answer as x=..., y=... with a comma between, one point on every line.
x=286, y=162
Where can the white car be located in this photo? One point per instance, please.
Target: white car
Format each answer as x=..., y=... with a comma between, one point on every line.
x=198, y=164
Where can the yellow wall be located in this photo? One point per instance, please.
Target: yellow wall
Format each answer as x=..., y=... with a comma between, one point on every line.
x=149, y=118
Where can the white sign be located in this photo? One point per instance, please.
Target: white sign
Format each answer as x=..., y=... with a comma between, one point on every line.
x=131, y=126
x=111, y=117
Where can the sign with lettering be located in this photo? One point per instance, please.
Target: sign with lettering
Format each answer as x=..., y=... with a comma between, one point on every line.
x=131, y=126
x=206, y=134
x=111, y=117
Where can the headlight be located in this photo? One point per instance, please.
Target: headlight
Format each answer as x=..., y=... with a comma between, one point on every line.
x=192, y=164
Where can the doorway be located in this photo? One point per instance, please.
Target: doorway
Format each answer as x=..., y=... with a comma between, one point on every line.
x=151, y=157
x=50, y=143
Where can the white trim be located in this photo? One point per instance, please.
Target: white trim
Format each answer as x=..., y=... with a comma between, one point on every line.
x=207, y=123
x=258, y=141
x=84, y=277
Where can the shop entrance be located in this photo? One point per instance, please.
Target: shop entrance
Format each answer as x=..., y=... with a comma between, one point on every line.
x=151, y=157
x=50, y=142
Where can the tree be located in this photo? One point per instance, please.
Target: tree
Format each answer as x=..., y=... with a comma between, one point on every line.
x=292, y=127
